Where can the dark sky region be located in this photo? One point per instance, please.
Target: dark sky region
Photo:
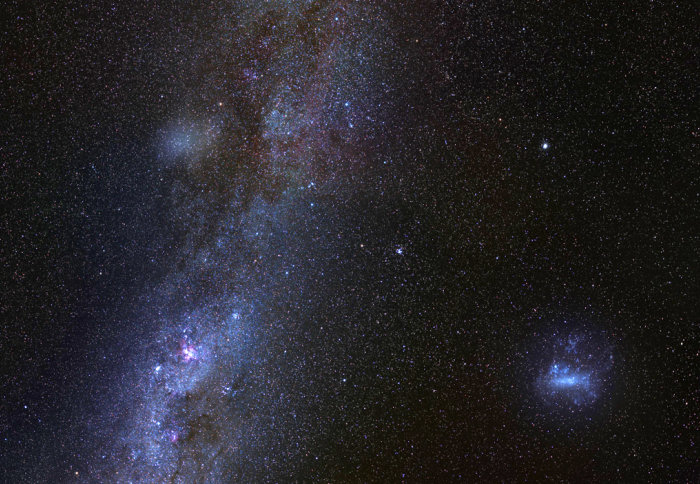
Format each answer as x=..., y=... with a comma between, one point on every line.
x=349, y=241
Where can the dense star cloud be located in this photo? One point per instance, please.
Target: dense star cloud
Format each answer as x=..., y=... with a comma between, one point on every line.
x=348, y=241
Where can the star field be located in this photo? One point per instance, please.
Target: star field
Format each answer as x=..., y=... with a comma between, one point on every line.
x=348, y=241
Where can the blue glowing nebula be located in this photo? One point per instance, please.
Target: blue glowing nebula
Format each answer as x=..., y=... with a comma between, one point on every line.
x=569, y=381
x=565, y=377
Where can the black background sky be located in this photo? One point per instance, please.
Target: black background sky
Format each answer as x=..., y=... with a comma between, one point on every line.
x=486, y=176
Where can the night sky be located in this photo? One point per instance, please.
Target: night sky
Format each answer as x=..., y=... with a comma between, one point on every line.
x=349, y=241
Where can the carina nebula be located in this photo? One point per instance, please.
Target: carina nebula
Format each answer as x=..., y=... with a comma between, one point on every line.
x=348, y=241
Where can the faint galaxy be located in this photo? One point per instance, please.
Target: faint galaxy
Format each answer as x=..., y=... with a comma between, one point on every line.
x=348, y=241
x=572, y=370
